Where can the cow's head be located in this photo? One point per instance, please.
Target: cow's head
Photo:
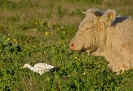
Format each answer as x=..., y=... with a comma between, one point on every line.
x=92, y=30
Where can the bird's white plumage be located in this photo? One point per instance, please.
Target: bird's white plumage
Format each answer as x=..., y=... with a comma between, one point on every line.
x=39, y=67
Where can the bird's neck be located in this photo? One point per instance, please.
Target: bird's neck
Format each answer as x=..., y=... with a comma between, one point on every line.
x=30, y=67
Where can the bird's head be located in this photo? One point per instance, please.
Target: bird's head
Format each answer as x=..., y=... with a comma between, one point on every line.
x=25, y=66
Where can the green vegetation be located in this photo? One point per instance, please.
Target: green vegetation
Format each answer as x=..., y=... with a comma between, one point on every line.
x=40, y=31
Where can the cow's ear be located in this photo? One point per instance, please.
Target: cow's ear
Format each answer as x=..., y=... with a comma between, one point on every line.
x=109, y=16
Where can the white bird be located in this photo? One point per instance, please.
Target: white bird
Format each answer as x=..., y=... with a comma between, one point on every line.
x=39, y=67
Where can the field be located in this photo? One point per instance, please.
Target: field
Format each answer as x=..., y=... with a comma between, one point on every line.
x=33, y=31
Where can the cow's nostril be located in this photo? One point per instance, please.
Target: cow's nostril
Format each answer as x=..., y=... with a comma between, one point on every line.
x=71, y=45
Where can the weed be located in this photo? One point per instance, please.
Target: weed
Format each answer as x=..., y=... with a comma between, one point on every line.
x=33, y=32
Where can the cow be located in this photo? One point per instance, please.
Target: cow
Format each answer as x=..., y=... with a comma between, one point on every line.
x=108, y=35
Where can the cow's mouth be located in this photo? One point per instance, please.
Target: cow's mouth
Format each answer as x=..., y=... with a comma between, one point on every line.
x=81, y=50
x=88, y=51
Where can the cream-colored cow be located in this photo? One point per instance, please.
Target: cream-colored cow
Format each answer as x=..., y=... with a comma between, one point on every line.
x=105, y=34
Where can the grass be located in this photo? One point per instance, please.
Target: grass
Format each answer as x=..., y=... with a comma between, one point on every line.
x=40, y=31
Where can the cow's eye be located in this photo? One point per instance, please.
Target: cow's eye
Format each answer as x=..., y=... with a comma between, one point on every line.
x=88, y=28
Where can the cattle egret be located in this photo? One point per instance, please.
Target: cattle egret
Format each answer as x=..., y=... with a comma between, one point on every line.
x=39, y=67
